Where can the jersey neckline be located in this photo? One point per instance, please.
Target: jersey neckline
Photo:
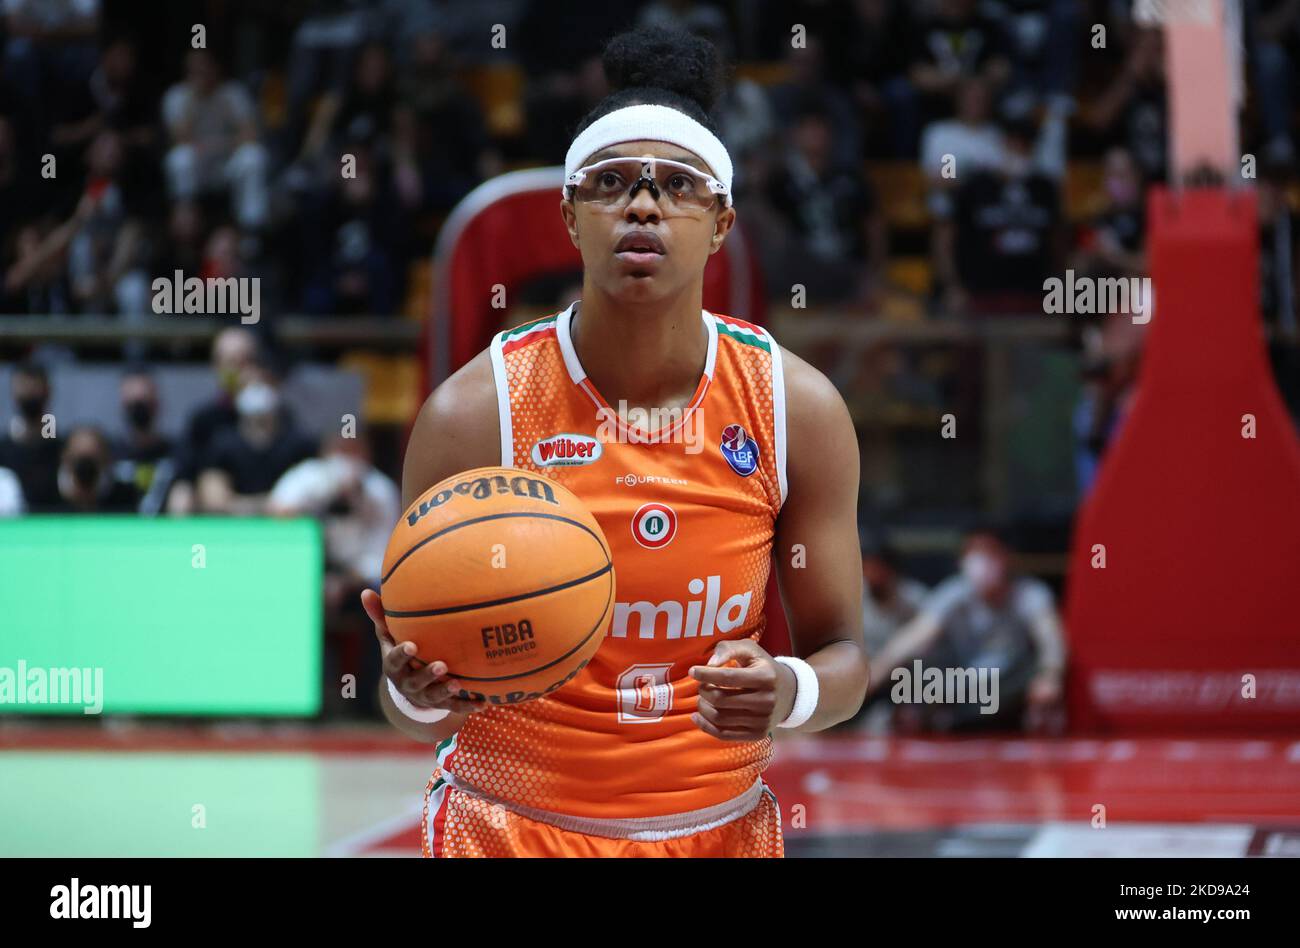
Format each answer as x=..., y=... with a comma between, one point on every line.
x=580, y=378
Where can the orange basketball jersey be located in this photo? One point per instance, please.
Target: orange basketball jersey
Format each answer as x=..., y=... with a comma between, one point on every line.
x=688, y=504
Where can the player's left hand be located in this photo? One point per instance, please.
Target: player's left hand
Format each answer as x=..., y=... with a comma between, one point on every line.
x=744, y=692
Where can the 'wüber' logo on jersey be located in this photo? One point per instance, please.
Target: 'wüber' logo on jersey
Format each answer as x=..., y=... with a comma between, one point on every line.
x=566, y=450
x=740, y=450
x=677, y=620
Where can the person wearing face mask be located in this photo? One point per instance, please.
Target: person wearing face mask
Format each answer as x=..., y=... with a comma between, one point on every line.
x=143, y=455
x=985, y=617
x=85, y=478
x=233, y=350
x=246, y=460
x=24, y=449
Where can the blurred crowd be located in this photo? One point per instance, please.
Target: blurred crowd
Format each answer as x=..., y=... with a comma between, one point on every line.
x=987, y=617
x=225, y=160
x=320, y=146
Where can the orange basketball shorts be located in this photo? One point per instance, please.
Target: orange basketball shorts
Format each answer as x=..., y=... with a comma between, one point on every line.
x=460, y=823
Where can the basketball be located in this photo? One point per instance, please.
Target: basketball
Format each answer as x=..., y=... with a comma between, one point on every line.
x=504, y=576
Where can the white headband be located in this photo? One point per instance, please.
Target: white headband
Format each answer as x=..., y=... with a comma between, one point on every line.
x=655, y=123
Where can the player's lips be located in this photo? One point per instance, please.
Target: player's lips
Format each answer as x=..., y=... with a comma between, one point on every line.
x=639, y=247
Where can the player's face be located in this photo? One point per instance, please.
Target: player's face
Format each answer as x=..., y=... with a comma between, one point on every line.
x=646, y=245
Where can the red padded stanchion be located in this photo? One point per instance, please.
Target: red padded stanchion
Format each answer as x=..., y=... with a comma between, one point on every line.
x=1199, y=524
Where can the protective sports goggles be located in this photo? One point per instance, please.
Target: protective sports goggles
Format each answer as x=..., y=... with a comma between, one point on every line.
x=615, y=181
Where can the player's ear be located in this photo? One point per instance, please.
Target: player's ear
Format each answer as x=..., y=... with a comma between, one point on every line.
x=570, y=220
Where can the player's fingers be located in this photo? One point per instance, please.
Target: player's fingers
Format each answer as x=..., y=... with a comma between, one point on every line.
x=725, y=699
x=446, y=702
x=426, y=675
x=734, y=653
x=374, y=607
x=749, y=677
x=708, y=727
x=725, y=718
x=449, y=695
x=397, y=661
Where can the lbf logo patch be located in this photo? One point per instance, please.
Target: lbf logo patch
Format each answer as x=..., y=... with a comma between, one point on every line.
x=739, y=450
x=654, y=525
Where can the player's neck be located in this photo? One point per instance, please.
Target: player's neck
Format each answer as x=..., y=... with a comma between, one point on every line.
x=650, y=356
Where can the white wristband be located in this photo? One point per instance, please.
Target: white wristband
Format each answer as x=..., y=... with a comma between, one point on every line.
x=806, y=691
x=423, y=715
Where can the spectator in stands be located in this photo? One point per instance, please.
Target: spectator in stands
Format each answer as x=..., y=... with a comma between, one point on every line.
x=810, y=82
x=1005, y=235
x=244, y=462
x=113, y=97
x=562, y=68
x=358, y=502
x=1041, y=42
x=124, y=101
x=743, y=116
x=183, y=246
x=866, y=57
x=31, y=447
x=1132, y=111
x=48, y=42
x=234, y=351
x=889, y=599
x=441, y=145
x=127, y=105
x=990, y=617
x=37, y=279
x=953, y=149
x=1279, y=247
x=353, y=242
x=1110, y=361
x=832, y=237
x=11, y=494
x=105, y=259
x=143, y=457
x=1113, y=242
x=362, y=111
x=86, y=481
x=1273, y=35
x=321, y=55
x=49, y=53
x=955, y=44
x=358, y=506
x=212, y=127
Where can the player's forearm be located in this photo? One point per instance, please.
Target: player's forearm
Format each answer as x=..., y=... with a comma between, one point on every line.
x=416, y=730
x=842, y=678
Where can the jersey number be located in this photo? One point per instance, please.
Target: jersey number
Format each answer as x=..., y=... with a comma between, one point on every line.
x=644, y=694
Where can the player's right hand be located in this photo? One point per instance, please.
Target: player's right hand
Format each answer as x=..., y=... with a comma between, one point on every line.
x=426, y=686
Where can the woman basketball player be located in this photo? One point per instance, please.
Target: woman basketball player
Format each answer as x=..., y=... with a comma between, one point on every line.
x=658, y=746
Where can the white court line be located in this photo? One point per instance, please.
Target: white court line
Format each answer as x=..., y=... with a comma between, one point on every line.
x=357, y=843
x=1140, y=839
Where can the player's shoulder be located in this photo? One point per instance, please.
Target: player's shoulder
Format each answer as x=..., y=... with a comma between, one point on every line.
x=466, y=396
x=821, y=445
x=457, y=428
x=812, y=400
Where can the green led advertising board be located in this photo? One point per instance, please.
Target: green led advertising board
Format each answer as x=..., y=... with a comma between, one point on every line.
x=188, y=616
